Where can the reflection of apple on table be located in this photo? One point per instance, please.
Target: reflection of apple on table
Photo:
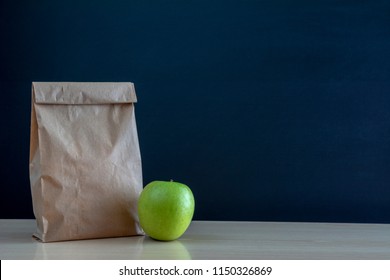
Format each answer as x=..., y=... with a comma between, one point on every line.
x=173, y=250
x=165, y=209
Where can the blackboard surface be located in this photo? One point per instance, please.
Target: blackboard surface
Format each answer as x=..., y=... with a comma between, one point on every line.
x=268, y=110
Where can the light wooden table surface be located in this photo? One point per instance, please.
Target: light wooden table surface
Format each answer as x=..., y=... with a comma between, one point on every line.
x=212, y=240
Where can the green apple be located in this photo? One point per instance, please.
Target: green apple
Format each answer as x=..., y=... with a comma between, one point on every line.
x=165, y=209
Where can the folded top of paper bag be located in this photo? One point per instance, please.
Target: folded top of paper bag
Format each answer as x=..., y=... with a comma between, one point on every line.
x=83, y=93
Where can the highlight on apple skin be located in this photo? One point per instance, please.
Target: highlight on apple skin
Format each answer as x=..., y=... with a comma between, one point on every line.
x=165, y=209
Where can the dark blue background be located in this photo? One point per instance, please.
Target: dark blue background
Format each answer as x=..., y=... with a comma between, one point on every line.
x=269, y=110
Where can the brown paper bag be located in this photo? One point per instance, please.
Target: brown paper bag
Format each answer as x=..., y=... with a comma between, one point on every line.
x=85, y=163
